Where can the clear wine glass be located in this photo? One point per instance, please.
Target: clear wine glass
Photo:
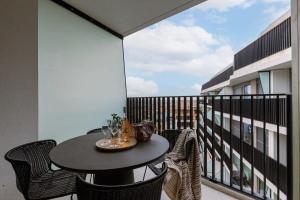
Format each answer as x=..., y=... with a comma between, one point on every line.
x=114, y=134
x=106, y=132
x=109, y=123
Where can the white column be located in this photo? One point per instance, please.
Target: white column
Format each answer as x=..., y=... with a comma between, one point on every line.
x=280, y=81
x=295, y=9
x=253, y=84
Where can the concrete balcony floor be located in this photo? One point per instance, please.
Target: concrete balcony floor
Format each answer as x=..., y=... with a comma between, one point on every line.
x=208, y=193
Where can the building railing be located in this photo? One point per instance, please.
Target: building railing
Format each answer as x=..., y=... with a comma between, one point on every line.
x=259, y=104
x=220, y=78
x=234, y=153
x=277, y=39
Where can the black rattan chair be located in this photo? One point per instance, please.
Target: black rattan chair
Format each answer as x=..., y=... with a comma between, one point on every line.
x=97, y=130
x=171, y=136
x=35, y=178
x=146, y=190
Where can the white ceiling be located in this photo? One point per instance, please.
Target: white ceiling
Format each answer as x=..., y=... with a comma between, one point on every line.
x=128, y=16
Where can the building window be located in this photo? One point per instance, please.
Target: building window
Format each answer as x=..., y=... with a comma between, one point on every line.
x=260, y=140
x=242, y=89
x=247, y=89
x=264, y=82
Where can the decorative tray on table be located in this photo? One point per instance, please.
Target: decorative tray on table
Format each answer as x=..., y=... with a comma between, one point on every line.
x=115, y=145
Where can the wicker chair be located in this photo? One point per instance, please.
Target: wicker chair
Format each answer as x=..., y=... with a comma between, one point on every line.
x=35, y=178
x=146, y=190
x=97, y=130
x=171, y=136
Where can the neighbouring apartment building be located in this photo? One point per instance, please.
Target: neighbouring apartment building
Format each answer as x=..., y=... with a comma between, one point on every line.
x=261, y=68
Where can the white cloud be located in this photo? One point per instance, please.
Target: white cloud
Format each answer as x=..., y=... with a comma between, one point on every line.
x=197, y=88
x=167, y=47
x=274, y=12
x=189, y=20
x=276, y=1
x=216, y=18
x=223, y=6
x=137, y=86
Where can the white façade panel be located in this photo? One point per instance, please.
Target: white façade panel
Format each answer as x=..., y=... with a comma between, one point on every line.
x=81, y=74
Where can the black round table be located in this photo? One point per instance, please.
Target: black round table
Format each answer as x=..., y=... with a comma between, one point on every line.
x=110, y=168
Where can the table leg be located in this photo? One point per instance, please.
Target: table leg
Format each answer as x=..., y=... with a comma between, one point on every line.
x=115, y=178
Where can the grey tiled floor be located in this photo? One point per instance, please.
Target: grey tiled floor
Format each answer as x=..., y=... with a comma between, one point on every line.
x=207, y=192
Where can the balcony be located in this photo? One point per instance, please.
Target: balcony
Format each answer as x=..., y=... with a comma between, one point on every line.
x=248, y=61
x=62, y=74
x=235, y=151
x=276, y=40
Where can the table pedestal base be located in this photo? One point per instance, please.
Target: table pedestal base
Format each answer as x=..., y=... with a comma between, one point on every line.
x=115, y=178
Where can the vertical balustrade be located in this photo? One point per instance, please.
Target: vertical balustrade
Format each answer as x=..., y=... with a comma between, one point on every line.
x=163, y=113
x=230, y=144
x=151, y=109
x=289, y=175
x=213, y=136
x=222, y=142
x=252, y=146
x=191, y=113
x=159, y=114
x=173, y=113
x=168, y=113
x=264, y=146
x=184, y=113
x=179, y=113
x=140, y=110
x=155, y=111
x=205, y=136
x=241, y=143
x=278, y=148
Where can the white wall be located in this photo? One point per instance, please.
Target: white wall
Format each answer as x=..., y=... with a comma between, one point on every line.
x=18, y=84
x=226, y=91
x=280, y=81
x=81, y=74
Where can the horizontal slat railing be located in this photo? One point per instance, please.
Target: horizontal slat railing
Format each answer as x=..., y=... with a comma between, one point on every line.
x=235, y=135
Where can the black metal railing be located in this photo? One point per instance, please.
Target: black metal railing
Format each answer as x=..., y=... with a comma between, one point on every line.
x=234, y=133
x=277, y=39
x=260, y=103
x=223, y=76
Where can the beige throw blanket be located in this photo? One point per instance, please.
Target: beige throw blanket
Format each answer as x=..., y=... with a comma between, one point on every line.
x=183, y=179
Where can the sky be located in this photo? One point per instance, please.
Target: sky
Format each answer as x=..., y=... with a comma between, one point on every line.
x=179, y=54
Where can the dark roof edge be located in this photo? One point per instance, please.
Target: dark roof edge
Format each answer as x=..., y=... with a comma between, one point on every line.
x=87, y=17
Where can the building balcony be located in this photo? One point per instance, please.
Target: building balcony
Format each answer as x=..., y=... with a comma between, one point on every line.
x=62, y=74
x=235, y=151
x=271, y=51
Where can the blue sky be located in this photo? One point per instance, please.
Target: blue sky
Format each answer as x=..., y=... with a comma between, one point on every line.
x=177, y=55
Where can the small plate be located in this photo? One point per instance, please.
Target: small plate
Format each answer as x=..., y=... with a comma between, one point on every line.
x=109, y=146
